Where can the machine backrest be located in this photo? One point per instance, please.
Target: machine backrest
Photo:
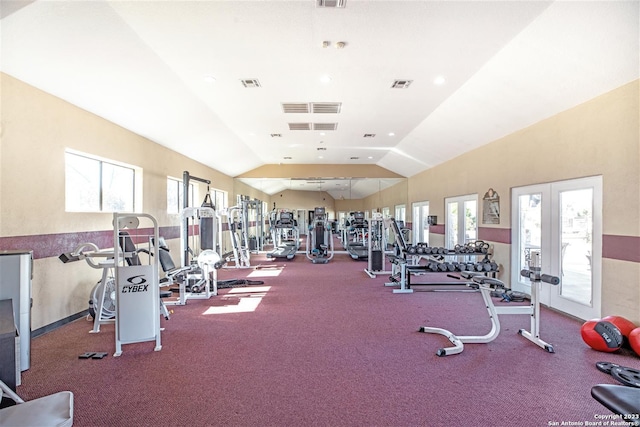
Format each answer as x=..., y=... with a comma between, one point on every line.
x=127, y=245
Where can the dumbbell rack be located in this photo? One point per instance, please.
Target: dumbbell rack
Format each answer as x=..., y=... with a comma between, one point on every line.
x=407, y=269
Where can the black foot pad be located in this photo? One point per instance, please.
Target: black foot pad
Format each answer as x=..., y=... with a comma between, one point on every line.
x=98, y=355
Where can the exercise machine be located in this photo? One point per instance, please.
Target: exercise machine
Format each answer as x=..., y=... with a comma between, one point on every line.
x=237, y=220
x=319, y=240
x=284, y=234
x=377, y=245
x=354, y=237
x=137, y=316
x=102, y=301
x=488, y=284
x=197, y=276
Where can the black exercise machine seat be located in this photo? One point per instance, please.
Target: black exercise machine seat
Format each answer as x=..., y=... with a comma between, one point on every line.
x=620, y=399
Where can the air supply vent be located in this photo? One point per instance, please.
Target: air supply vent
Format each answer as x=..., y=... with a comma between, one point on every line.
x=331, y=3
x=326, y=107
x=299, y=126
x=295, y=107
x=369, y=135
x=325, y=126
x=250, y=83
x=321, y=149
x=401, y=84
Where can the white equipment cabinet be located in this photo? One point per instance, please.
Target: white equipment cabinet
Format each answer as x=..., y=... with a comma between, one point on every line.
x=16, y=273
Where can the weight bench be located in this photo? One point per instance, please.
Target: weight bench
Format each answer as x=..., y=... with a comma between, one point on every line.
x=53, y=410
x=620, y=399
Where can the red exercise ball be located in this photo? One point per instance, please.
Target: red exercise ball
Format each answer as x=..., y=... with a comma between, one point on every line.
x=625, y=326
x=634, y=340
x=601, y=335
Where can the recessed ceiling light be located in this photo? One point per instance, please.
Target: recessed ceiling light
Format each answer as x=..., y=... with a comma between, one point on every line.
x=325, y=79
x=322, y=134
x=320, y=157
x=439, y=81
x=392, y=134
x=370, y=157
x=208, y=78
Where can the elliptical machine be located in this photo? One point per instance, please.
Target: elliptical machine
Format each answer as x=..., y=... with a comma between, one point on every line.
x=319, y=239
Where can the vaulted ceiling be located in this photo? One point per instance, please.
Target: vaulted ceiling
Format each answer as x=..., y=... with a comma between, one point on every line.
x=404, y=85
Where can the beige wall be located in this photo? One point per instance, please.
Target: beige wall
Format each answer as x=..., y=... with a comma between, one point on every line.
x=36, y=129
x=306, y=200
x=320, y=171
x=599, y=137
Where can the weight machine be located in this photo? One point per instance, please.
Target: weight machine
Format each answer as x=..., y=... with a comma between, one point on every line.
x=197, y=278
x=486, y=285
x=319, y=240
x=137, y=284
x=377, y=245
x=237, y=219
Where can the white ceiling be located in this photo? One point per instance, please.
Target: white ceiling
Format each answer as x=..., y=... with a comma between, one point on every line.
x=142, y=65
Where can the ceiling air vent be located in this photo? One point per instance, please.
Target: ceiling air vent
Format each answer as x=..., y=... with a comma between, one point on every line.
x=369, y=135
x=276, y=135
x=401, y=84
x=325, y=126
x=299, y=126
x=295, y=107
x=287, y=158
x=326, y=107
x=331, y=3
x=250, y=83
x=354, y=158
x=321, y=149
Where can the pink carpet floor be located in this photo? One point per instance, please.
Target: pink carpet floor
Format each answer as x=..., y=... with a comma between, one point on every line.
x=323, y=345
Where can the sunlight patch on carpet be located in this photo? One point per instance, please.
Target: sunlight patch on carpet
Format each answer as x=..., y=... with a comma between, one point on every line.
x=263, y=272
x=240, y=300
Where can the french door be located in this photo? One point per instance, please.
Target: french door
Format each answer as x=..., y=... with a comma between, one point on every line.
x=461, y=220
x=563, y=221
x=420, y=222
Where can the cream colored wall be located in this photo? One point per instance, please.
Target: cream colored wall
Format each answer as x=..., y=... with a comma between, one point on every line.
x=36, y=130
x=388, y=198
x=307, y=200
x=599, y=137
x=319, y=171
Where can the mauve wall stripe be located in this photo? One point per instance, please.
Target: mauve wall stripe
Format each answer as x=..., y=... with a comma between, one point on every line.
x=496, y=235
x=52, y=245
x=624, y=248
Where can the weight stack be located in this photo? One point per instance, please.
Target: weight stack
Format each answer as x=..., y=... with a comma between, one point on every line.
x=376, y=260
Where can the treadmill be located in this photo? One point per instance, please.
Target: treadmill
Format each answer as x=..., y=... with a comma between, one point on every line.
x=356, y=245
x=286, y=241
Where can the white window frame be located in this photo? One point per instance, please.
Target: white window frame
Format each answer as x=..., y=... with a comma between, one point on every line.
x=136, y=183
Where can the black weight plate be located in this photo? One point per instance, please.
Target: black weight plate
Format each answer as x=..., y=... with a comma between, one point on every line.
x=606, y=367
x=627, y=376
